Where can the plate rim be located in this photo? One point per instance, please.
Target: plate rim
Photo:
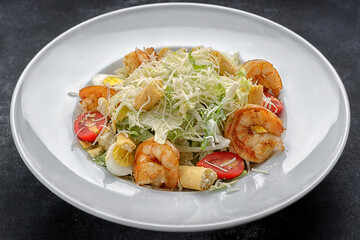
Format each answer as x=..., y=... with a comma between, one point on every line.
x=179, y=228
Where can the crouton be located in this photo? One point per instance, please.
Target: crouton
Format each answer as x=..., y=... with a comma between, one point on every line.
x=95, y=152
x=134, y=59
x=149, y=96
x=90, y=96
x=103, y=106
x=85, y=144
x=106, y=139
x=224, y=65
x=163, y=52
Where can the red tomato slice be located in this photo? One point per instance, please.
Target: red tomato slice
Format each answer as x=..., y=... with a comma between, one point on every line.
x=88, y=125
x=276, y=105
x=215, y=161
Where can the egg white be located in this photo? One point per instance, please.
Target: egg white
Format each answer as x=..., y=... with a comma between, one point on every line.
x=113, y=167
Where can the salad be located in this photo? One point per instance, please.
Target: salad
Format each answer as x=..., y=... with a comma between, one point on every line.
x=182, y=119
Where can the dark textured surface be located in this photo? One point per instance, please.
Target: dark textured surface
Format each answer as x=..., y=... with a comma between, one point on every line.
x=28, y=210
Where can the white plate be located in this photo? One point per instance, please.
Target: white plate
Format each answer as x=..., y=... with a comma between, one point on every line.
x=316, y=115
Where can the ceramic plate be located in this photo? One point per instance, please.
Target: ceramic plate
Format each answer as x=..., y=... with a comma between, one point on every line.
x=316, y=115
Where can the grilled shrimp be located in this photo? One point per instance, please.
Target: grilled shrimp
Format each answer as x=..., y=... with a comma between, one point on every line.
x=264, y=73
x=254, y=132
x=156, y=164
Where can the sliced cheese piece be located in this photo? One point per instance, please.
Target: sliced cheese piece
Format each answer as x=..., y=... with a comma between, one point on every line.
x=148, y=96
x=196, y=178
x=256, y=95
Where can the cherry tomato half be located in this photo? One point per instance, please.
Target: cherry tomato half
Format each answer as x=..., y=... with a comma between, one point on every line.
x=217, y=161
x=276, y=105
x=88, y=125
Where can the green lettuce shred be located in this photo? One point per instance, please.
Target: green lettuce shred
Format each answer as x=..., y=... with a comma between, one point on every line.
x=100, y=160
x=195, y=66
x=224, y=183
x=140, y=134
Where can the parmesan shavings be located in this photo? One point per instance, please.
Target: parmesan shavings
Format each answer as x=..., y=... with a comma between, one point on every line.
x=196, y=98
x=260, y=171
x=228, y=162
x=268, y=103
x=73, y=94
x=179, y=185
x=248, y=165
x=101, y=132
x=214, y=165
x=75, y=138
x=232, y=190
x=220, y=184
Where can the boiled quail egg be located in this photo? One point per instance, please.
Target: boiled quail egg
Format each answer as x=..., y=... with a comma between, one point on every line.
x=106, y=79
x=112, y=165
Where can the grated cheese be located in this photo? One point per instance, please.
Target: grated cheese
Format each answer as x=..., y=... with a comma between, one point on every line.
x=75, y=137
x=260, y=171
x=228, y=162
x=268, y=104
x=248, y=165
x=192, y=96
x=214, y=165
x=73, y=94
x=98, y=136
x=217, y=183
x=179, y=185
x=232, y=190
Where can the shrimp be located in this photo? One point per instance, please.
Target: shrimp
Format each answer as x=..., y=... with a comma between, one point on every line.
x=157, y=164
x=264, y=73
x=254, y=132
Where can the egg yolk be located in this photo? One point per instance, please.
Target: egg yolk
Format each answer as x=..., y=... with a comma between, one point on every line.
x=123, y=157
x=258, y=129
x=112, y=81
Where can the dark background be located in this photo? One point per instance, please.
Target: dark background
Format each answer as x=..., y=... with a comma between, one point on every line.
x=28, y=210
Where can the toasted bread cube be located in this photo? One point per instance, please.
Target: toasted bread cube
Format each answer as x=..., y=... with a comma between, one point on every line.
x=225, y=66
x=95, y=152
x=151, y=53
x=134, y=59
x=163, y=52
x=103, y=106
x=106, y=139
x=256, y=95
x=89, y=104
x=90, y=96
x=149, y=92
x=85, y=144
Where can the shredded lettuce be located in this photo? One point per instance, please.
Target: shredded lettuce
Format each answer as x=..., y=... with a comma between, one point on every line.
x=192, y=61
x=100, y=160
x=140, y=134
x=135, y=132
x=226, y=184
x=195, y=105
